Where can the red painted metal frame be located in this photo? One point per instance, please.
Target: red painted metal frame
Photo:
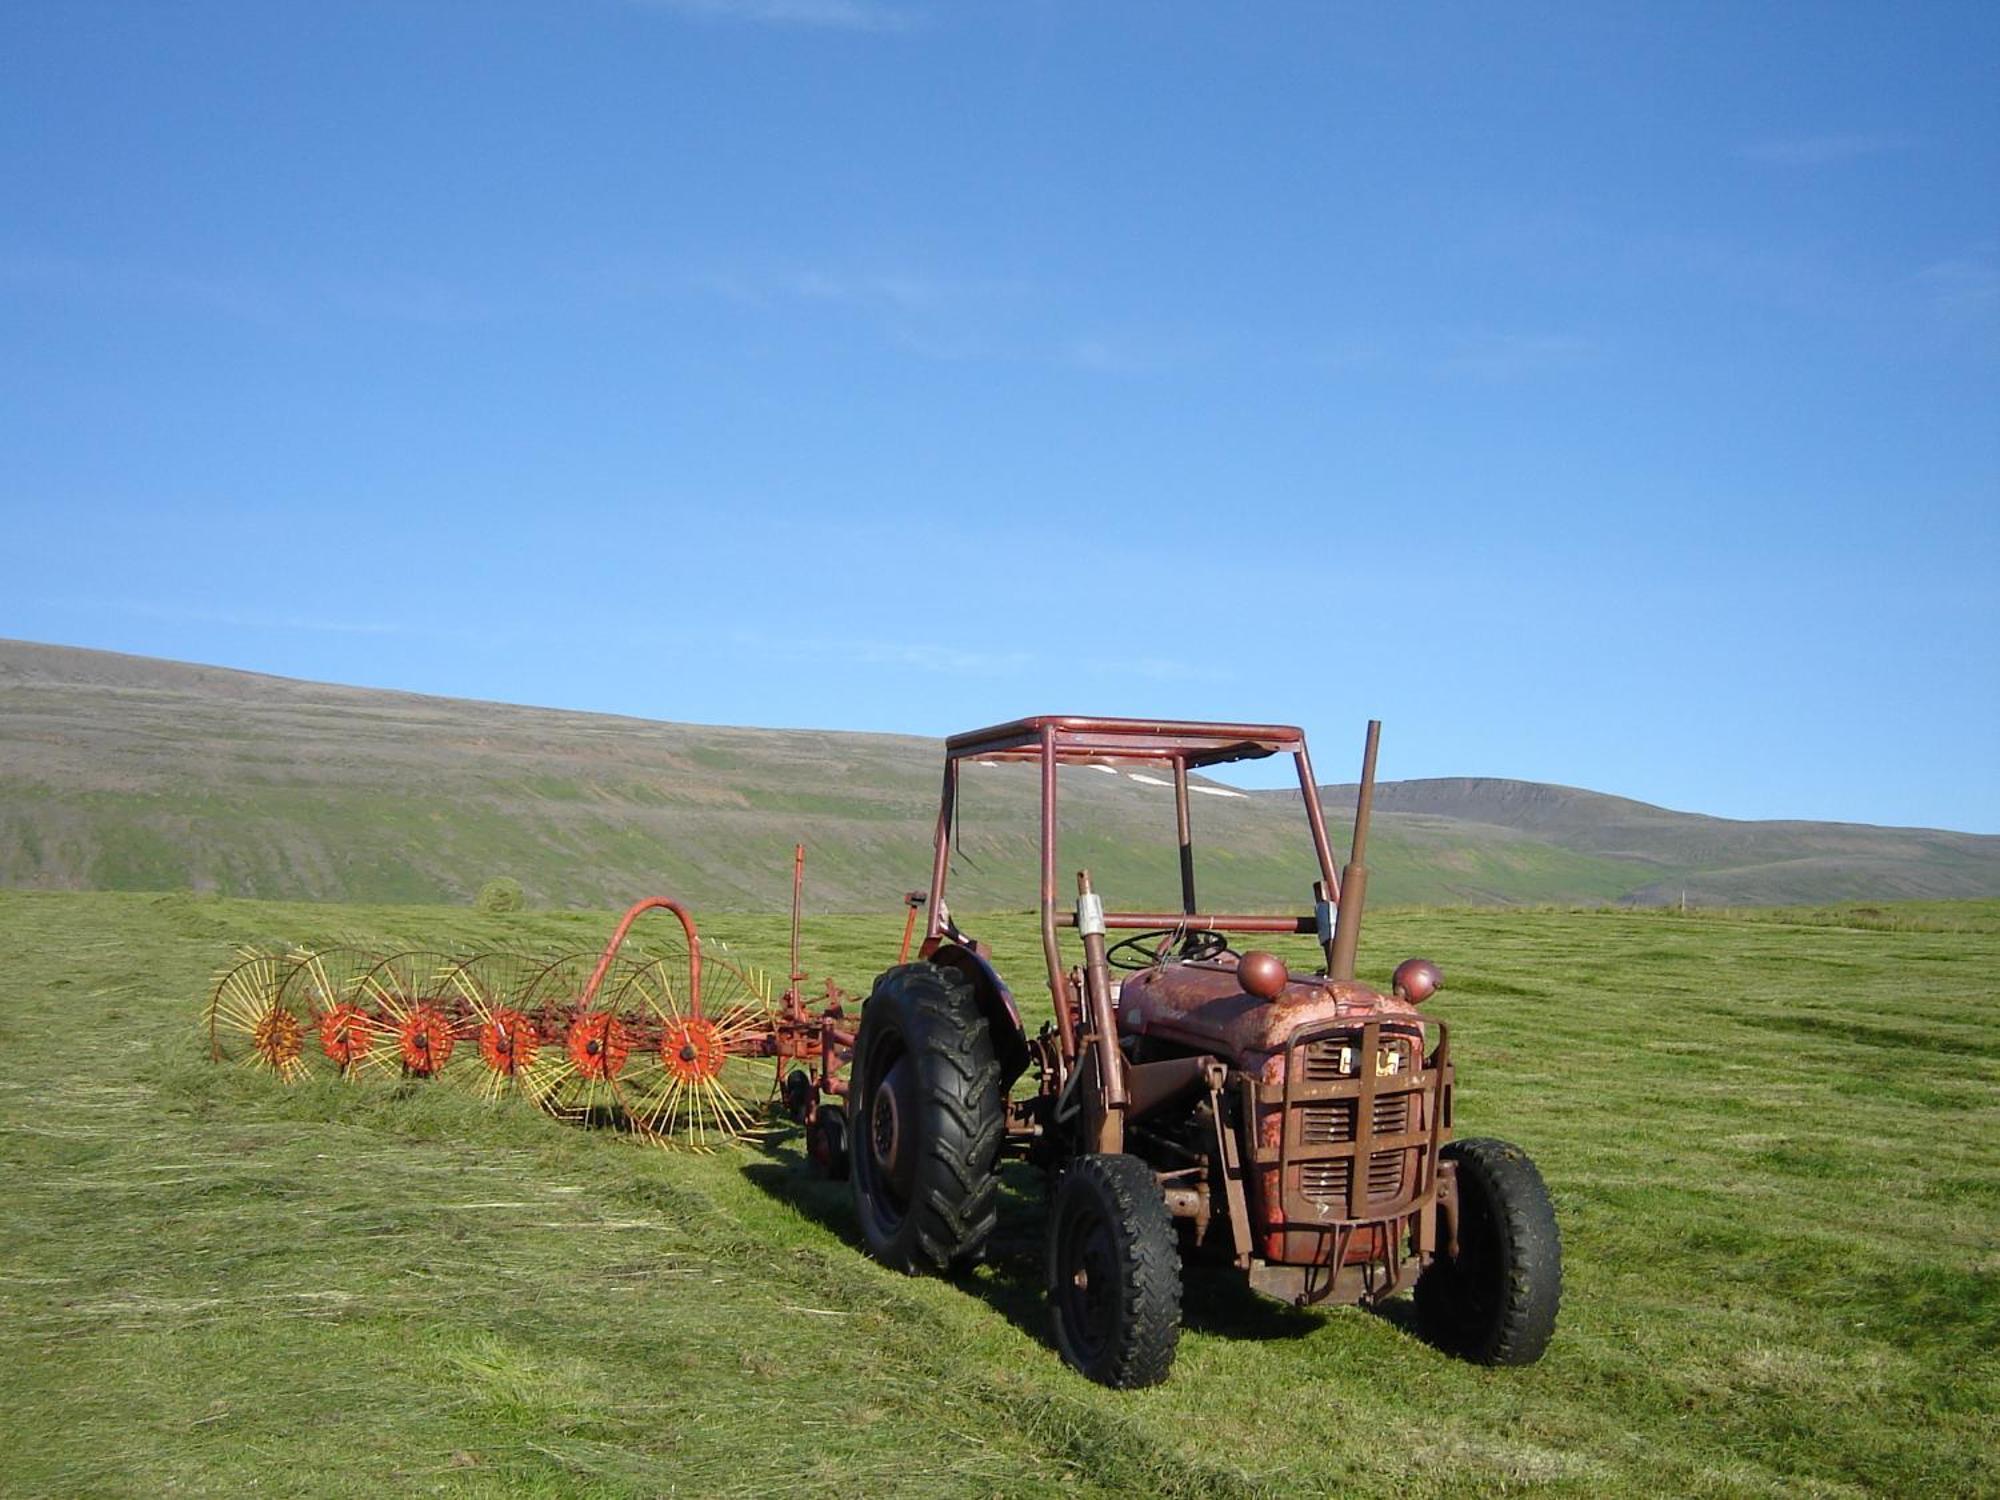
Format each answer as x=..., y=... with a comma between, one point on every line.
x=1054, y=740
x=651, y=903
x=798, y=1032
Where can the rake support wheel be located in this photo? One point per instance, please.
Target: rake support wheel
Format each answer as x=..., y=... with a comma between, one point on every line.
x=826, y=1143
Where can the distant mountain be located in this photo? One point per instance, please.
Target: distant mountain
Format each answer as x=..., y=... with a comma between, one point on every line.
x=123, y=772
x=1717, y=861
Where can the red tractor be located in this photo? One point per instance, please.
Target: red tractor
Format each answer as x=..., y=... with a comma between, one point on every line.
x=1212, y=1107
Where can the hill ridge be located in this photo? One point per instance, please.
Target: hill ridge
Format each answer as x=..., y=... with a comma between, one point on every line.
x=129, y=772
x=1420, y=793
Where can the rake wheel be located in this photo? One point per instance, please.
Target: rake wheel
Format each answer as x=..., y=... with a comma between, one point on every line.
x=251, y=1022
x=319, y=987
x=598, y=1044
x=580, y=1052
x=704, y=1076
x=508, y=1042
x=420, y=1021
x=347, y=1035
x=489, y=988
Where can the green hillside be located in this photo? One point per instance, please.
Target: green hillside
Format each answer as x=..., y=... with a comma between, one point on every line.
x=124, y=773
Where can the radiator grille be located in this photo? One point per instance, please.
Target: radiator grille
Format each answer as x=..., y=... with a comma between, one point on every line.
x=1329, y=1122
x=1326, y=1181
x=1328, y=1061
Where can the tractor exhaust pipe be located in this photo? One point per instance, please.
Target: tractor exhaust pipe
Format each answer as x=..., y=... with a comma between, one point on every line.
x=1354, y=879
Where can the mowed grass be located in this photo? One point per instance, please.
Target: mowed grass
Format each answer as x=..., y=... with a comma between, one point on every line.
x=1772, y=1144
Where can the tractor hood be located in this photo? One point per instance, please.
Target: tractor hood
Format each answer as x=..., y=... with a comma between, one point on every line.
x=1204, y=1005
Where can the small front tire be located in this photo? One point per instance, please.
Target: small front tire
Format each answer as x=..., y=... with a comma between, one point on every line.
x=1114, y=1272
x=1495, y=1303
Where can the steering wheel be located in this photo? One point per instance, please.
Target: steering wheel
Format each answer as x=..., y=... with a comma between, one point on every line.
x=1144, y=949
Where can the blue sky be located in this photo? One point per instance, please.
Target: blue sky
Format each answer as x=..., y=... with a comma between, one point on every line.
x=1597, y=394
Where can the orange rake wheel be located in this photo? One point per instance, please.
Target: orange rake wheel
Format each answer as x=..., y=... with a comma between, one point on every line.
x=319, y=987
x=348, y=1036
x=582, y=1049
x=421, y=1024
x=250, y=1022
x=704, y=1076
x=490, y=987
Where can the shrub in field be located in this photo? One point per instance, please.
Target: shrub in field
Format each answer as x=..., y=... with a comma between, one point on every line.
x=503, y=894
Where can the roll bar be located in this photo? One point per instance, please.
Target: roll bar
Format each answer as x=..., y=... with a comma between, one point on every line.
x=1056, y=740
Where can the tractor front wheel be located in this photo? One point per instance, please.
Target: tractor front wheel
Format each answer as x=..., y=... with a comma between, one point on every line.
x=1495, y=1302
x=1114, y=1272
x=927, y=1121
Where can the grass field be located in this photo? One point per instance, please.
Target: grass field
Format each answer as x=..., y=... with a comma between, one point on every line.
x=1774, y=1146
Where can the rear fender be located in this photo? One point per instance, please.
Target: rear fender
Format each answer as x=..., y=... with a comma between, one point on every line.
x=996, y=1004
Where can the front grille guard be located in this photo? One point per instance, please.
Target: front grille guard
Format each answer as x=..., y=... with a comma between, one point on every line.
x=1428, y=1086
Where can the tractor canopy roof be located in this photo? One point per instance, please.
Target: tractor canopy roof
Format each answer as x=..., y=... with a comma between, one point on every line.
x=1081, y=741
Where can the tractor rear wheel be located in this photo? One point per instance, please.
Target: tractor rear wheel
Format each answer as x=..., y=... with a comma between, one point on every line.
x=927, y=1121
x=1495, y=1303
x=1114, y=1272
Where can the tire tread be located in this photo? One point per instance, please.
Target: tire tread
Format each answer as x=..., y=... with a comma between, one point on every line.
x=1126, y=1191
x=953, y=1208
x=1530, y=1245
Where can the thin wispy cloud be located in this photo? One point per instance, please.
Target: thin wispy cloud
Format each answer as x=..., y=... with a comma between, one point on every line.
x=399, y=297
x=924, y=313
x=1346, y=356
x=935, y=658
x=1506, y=356
x=1822, y=150
x=960, y=661
x=828, y=15
x=891, y=289
x=1480, y=355
x=1801, y=279
x=391, y=296
x=106, y=281
x=900, y=291
x=945, y=345
x=923, y=656
x=1158, y=669
x=1132, y=352
x=232, y=619
x=1104, y=357
x=1965, y=286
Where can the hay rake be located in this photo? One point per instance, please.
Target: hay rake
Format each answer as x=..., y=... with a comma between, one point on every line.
x=673, y=1040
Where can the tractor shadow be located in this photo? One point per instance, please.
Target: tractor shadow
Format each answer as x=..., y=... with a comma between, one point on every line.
x=1215, y=1300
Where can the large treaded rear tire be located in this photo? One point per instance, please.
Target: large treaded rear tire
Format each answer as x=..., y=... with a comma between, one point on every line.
x=1496, y=1303
x=1114, y=1272
x=929, y=1204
